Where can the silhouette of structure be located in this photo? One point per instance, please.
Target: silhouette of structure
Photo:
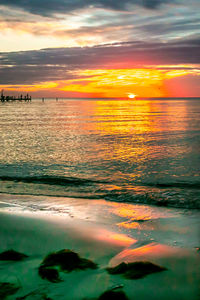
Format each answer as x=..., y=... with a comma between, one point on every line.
x=13, y=98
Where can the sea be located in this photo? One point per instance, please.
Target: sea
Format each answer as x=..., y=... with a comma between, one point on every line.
x=131, y=151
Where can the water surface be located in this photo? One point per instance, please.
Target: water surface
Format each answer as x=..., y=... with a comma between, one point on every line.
x=121, y=150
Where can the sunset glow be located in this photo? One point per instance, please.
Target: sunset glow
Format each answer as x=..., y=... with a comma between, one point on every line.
x=77, y=50
x=102, y=83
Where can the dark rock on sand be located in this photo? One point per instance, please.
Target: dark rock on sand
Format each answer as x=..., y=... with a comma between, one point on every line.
x=135, y=270
x=68, y=261
x=12, y=255
x=7, y=289
x=49, y=274
x=113, y=295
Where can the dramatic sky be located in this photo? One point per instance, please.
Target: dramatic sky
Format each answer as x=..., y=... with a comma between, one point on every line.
x=100, y=48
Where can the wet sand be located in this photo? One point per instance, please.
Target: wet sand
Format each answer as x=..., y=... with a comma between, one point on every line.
x=107, y=233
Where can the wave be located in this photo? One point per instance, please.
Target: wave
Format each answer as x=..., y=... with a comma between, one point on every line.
x=51, y=180
x=64, y=181
x=181, y=185
x=178, y=194
x=186, y=200
x=155, y=199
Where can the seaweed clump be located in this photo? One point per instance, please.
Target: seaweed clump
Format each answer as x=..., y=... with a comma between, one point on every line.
x=113, y=295
x=135, y=270
x=12, y=255
x=50, y=274
x=66, y=260
x=7, y=289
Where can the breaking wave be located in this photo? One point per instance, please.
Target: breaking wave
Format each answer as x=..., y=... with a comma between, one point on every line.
x=50, y=180
x=177, y=194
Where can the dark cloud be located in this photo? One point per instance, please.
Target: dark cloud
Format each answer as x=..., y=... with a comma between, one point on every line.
x=152, y=4
x=28, y=67
x=30, y=74
x=166, y=28
x=49, y=7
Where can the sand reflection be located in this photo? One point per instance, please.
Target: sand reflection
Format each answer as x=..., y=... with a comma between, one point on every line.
x=152, y=251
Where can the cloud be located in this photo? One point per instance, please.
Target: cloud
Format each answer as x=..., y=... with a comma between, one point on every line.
x=50, y=7
x=97, y=26
x=174, y=27
x=28, y=67
x=78, y=23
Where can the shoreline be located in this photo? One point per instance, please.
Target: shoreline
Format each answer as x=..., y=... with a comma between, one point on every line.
x=108, y=233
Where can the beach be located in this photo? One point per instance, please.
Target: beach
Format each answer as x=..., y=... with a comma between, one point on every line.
x=107, y=233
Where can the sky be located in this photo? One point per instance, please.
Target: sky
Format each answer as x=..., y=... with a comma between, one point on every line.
x=100, y=48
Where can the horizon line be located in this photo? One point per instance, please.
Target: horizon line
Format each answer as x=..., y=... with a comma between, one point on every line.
x=116, y=98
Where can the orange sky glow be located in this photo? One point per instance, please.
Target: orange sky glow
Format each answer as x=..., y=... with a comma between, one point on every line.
x=100, y=83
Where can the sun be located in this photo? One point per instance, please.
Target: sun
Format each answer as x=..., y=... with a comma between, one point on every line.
x=131, y=96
